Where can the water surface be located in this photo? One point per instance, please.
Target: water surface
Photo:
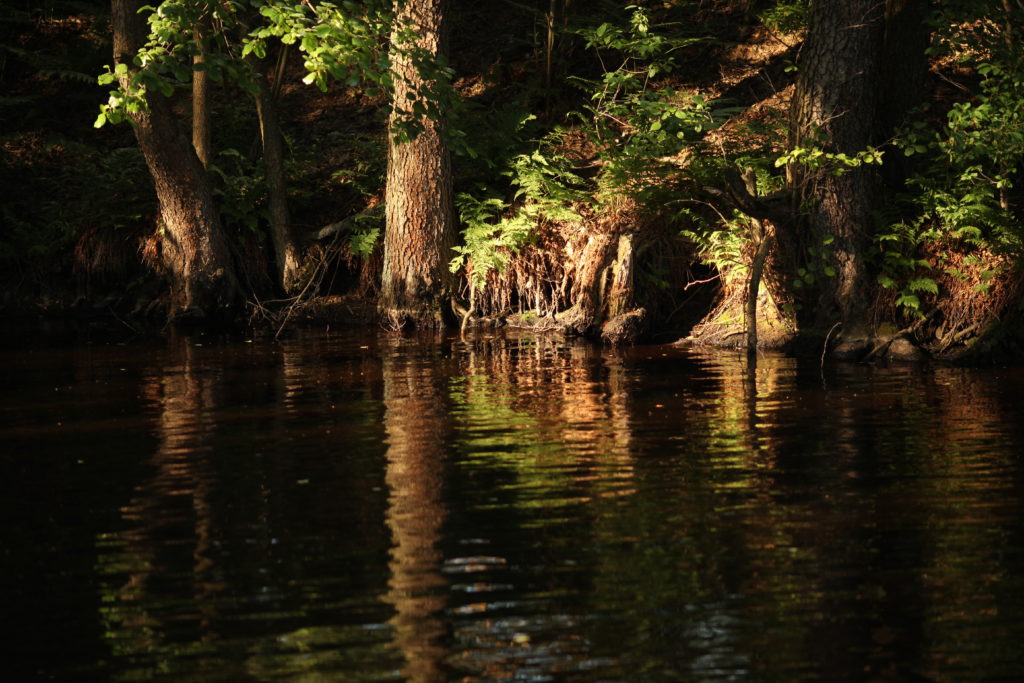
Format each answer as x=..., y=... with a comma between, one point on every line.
x=351, y=506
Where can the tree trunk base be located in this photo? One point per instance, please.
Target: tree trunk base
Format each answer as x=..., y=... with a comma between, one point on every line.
x=626, y=328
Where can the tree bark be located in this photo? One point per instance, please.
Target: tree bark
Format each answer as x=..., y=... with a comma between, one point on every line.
x=625, y=321
x=420, y=231
x=835, y=107
x=193, y=249
x=202, y=125
x=588, y=285
x=286, y=251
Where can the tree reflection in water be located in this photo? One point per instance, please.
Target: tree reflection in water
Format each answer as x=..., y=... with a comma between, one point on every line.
x=144, y=619
x=417, y=423
x=506, y=506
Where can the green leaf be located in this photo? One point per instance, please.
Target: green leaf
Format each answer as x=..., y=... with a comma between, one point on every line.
x=100, y=120
x=909, y=301
x=923, y=284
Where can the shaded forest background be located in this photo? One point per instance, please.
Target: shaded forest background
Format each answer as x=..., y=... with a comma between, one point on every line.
x=618, y=170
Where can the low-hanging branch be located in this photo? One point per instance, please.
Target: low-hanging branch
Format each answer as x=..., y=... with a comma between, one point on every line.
x=775, y=207
x=376, y=213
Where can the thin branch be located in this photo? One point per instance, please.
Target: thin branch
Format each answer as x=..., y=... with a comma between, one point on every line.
x=824, y=348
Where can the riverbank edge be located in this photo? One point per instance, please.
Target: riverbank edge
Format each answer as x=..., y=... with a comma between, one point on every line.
x=1000, y=344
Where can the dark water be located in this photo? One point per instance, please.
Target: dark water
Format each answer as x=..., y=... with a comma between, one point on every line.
x=345, y=507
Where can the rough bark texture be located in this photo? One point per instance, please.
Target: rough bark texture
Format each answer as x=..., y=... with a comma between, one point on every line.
x=588, y=285
x=626, y=322
x=621, y=297
x=420, y=232
x=835, y=106
x=286, y=252
x=194, y=251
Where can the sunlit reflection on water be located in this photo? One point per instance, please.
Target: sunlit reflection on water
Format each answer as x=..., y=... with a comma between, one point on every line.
x=351, y=507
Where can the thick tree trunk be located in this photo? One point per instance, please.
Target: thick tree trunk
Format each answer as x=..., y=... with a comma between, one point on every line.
x=588, y=285
x=834, y=106
x=193, y=249
x=420, y=232
x=286, y=251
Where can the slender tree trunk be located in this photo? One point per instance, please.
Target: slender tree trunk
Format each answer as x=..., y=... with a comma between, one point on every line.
x=834, y=106
x=1009, y=34
x=549, y=53
x=285, y=249
x=202, y=126
x=903, y=78
x=193, y=249
x=420, y=232
x=905, y=59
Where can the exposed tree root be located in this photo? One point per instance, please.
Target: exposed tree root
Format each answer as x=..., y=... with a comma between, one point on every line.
x=609, y=277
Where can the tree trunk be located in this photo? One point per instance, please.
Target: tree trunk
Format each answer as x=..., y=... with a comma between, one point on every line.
x=589, y=279
x=834, y=106
x=285, y=249
x=202, y=126
x=625, y=322
x=193, y=249
x=904, y=54
x=757, y=264
x=904, y=77
x=420, y=231
x=622, y=297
